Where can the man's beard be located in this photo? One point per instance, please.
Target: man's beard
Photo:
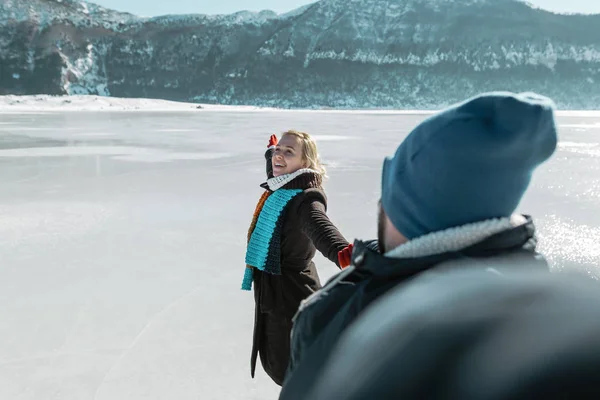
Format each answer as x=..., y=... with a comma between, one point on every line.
x=381, y=229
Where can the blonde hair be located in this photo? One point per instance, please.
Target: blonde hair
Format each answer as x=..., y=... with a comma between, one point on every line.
x=310, y=153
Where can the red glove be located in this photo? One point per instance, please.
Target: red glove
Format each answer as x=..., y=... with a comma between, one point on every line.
x=272, y=141
x=345, y=256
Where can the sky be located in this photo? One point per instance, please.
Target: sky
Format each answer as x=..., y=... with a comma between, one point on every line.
x=151, y=8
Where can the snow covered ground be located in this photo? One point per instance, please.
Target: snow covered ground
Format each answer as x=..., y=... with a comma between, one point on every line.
x=39, y=103
x=46, y=103
x=122, y=238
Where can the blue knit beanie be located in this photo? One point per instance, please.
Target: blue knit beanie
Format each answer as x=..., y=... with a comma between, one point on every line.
x=468, y=163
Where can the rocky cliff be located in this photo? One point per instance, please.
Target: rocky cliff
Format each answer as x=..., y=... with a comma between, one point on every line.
x=332, y=53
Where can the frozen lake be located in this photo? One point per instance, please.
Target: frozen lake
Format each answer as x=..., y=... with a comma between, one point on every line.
x=122, y=240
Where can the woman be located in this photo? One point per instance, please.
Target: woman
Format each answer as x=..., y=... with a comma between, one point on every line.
x=290, y=223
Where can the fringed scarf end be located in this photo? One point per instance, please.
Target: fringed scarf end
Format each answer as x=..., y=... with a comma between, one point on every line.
x=247, y=282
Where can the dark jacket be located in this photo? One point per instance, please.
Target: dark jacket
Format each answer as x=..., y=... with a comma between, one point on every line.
x=471, y=335
x=324, y=316
x=306, y=229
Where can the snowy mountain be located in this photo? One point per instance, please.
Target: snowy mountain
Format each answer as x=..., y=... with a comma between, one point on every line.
x=332, y=53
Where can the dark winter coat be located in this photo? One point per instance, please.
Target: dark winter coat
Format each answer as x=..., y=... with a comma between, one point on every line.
x=324, y=316
x=306, y=229
x=471, y=335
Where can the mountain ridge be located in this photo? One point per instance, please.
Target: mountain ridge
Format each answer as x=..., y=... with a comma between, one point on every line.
x=332, y=53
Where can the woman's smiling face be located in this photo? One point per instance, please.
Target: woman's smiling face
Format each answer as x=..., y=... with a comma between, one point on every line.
x=288, y=156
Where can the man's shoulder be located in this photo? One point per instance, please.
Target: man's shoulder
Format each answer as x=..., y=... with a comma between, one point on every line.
x=327, y=313
x=340, y=285
x=340, y=289
x=321, y=318
x=327, y=292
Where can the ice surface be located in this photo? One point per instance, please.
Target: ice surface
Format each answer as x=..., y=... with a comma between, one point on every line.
x=122, y=238
x=582, y=126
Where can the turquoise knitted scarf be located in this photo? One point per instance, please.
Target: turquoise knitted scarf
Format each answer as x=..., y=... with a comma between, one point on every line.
x=264, y=246
x=265, y=234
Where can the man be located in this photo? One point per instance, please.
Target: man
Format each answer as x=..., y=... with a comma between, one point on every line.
x=448, y=200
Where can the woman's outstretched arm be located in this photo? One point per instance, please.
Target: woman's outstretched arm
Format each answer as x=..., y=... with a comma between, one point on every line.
x=321, y=231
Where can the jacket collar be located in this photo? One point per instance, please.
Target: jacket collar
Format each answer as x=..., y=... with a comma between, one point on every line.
x=454, y=239
x=517, y=241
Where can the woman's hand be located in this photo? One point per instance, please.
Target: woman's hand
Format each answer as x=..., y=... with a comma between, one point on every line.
x=272, y=141
x=345, y=256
